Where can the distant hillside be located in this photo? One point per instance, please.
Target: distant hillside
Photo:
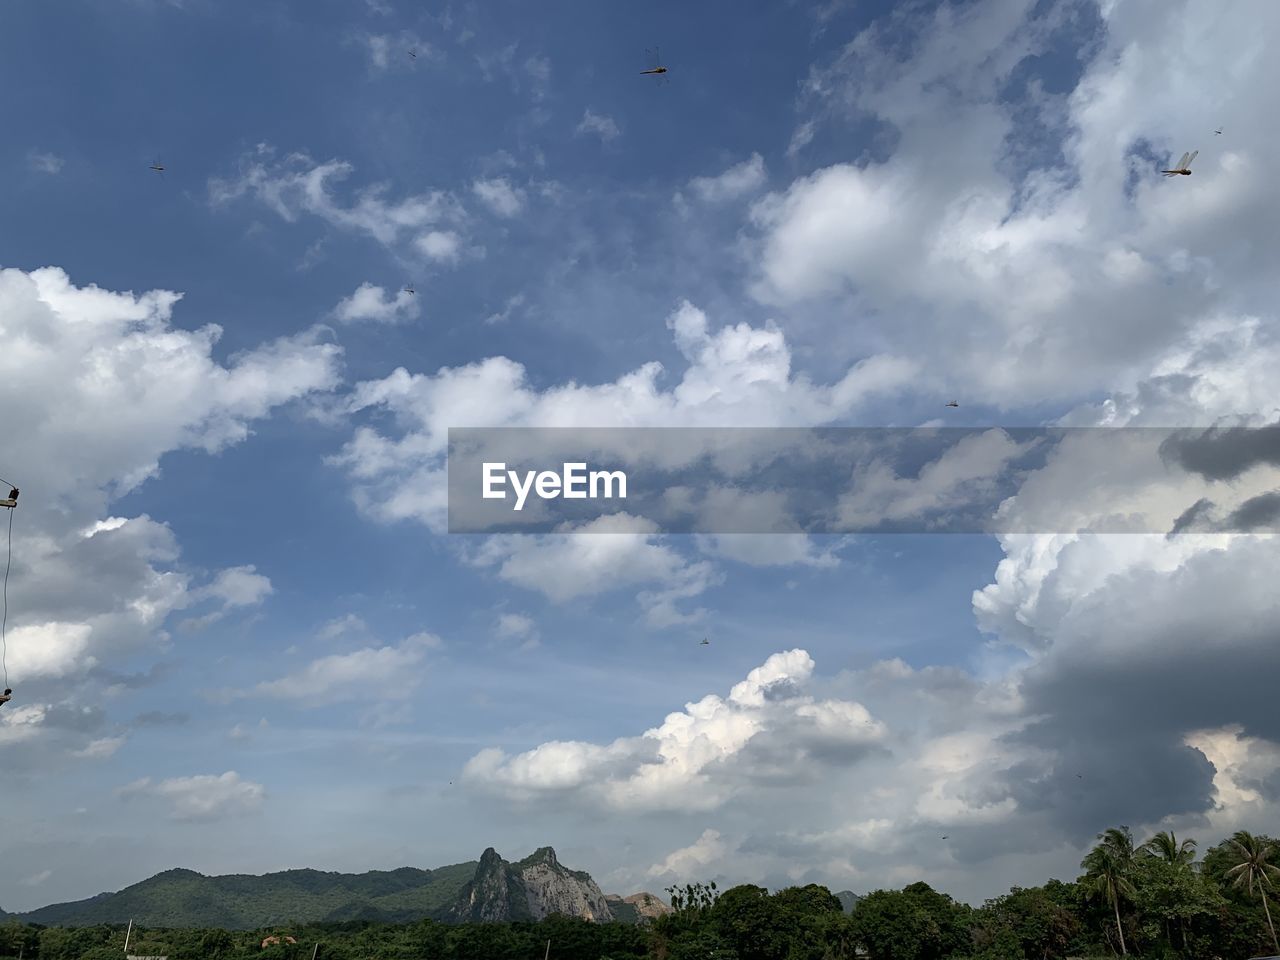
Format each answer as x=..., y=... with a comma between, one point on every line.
x=490, y=889
x=184, y=898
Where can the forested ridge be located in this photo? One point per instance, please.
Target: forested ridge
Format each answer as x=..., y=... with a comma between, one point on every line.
x=1154, y=900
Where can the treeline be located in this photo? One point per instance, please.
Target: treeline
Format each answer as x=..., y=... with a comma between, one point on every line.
x=1155, y=900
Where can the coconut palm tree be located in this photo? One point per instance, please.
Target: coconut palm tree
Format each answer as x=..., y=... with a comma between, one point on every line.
x=1164, y=846
x=1252, y=870
x=1107, y=868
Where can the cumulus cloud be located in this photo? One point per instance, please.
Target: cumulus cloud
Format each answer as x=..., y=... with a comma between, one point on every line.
x=733, y=375
x=737, y=374
x=610, y=553
x=203, y=798
x=128, y=388
x=371, y=303
x=499, y=196
x=767, y=730
x=1008, y=268
x=443, y=246
x=240, y=586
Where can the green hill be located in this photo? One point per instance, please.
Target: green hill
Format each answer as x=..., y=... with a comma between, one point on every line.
x=184, y=898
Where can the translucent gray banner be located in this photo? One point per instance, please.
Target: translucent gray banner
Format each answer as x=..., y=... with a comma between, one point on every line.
x=838, y=480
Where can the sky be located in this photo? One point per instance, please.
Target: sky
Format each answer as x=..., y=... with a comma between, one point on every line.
x=239, y=635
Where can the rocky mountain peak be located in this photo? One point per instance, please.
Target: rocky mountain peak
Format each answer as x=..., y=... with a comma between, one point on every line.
x=533, y=888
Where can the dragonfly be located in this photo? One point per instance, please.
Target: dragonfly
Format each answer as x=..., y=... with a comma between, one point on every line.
x=705, y=642
x=413, y=54
x=409, y=289
x=1218, y=131
x=655, y=64
x=158, y=167
x=952, y=404
x=1183, y=166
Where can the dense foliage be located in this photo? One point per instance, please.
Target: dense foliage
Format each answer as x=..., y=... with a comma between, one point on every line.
x=1152, y=901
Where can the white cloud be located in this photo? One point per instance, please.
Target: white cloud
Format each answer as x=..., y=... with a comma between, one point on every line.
x=693, y=860
x=101, y=748
x=500, y=196
x=1008, y=269
x=371, y=303
x=512, y=304
x=700, y=758
x=610, y=553
x=443, y=246
x=341, y=627
x=517, y=626
x=202, y=798
x=106, y=386
x=601, y=125
x=738, y=374
x=37, y=878
x=739, y=180
x=240, y=586
x=370, y=673
x=49, y=163
x=297, y=184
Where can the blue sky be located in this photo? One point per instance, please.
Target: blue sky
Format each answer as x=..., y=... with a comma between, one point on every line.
x=836, y=213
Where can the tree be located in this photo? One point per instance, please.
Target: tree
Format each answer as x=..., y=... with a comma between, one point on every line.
x=1025, y=923
x=1252, y=870
x=1164, y=846
x=1172, y=895
x=915, y=923
x=1107, y=868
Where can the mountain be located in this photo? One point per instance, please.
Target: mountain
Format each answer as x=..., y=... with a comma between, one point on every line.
x=528, y=890
x=848, y=899
x=184, y=898
x=488, y=890
x=637, y=908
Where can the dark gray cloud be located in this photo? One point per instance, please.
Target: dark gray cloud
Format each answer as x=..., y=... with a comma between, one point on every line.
x=1223, y=453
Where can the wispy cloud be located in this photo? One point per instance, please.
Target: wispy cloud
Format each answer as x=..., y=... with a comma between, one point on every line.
x=49, y=163
x=602, y=126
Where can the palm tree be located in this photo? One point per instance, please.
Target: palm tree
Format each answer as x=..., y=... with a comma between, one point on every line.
x=1164, y=846
x=1252, y=870
x=1107, y=870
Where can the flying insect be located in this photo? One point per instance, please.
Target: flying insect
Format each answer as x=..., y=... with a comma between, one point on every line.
x=1184, y=165
x=655, y=63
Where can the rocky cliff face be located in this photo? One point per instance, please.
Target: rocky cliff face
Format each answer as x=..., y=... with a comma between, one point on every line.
x=637, y=908
x=528, y=890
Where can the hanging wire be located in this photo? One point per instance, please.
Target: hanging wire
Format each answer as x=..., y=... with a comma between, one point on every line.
x=4, y=621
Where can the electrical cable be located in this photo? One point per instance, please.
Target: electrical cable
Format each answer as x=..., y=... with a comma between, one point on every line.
x=4, y=621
